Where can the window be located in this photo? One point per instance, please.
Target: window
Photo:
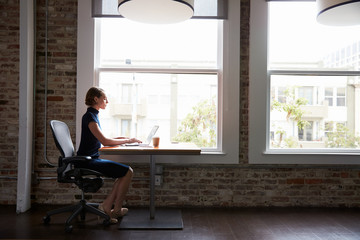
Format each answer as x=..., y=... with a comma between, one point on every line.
x=149, y=84
x=305, y=133
x=335, y=96
x=329, y=96
x=307, y=93
x=319, y=68
x=179, y=74
x=340, y=97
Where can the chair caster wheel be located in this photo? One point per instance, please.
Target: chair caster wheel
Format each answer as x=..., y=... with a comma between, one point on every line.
x=68, y=228
x=46, y=219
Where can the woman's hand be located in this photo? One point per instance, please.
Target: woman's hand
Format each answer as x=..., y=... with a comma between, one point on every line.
x=133, y=140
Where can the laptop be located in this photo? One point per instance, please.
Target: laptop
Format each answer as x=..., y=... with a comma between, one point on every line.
x=148, y=139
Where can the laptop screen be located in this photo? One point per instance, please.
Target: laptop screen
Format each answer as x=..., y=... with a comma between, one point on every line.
x=152, y=133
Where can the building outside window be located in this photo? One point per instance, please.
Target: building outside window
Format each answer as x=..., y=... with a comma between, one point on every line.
x=166, y=75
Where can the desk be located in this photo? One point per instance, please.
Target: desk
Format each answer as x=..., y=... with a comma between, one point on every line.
x=165, y=217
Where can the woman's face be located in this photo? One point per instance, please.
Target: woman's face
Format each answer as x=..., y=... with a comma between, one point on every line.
x=101, y=102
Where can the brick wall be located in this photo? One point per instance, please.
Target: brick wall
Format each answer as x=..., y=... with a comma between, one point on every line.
x=9, y=98
x=236, y=185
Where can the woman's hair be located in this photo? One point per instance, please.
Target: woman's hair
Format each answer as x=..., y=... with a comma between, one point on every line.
x=91, y=94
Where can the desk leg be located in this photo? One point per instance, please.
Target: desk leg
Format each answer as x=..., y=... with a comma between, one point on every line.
x=152, y=187
x=165, y=218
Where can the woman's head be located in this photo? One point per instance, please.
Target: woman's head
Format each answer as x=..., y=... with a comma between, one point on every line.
x=95, y=96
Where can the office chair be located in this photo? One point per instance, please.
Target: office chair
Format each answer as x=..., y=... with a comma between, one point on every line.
x=87, y=180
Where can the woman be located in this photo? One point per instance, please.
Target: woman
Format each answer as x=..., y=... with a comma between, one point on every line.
x=91, y=140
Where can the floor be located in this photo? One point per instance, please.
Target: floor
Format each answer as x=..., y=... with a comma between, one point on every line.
x=199, y=224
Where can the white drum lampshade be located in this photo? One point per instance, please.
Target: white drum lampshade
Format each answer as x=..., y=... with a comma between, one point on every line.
x=338, y=12
x=156, y=11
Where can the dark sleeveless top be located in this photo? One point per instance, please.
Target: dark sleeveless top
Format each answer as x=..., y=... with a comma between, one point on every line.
x=89, y=144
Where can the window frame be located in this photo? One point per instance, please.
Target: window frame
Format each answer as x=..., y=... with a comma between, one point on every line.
x=209, y=71
x=259, y=116
x=229, y=88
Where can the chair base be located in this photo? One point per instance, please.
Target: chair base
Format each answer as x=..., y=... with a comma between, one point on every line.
x=79, y=209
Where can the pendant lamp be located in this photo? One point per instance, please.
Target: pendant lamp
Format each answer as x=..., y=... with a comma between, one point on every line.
x=156, y=11
x=338, y=12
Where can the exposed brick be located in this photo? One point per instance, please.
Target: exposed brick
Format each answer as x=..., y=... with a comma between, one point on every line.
x=295, y=181
x=313, y=181
x=55, y=98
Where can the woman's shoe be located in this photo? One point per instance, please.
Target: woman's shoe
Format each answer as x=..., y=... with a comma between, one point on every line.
x=112, y=219
x=120, y=213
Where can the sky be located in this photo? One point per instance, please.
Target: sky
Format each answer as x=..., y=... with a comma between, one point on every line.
x=298, y=34
x=181, y=41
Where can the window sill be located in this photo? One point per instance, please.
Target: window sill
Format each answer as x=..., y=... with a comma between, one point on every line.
x=305, y=158
x=313, y=152
x=213, y=153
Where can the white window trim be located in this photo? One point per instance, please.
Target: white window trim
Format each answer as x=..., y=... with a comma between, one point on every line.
x=230, y=88
x=259, y=152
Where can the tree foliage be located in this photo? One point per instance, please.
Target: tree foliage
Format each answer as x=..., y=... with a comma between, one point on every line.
x=342, y=138
x=199, y=127
x=292, y=108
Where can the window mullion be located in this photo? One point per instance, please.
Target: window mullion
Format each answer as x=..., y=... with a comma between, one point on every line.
x=159, y=70
x=314, y=73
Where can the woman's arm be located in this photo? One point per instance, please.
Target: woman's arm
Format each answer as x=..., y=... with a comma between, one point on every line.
x=96, y=131
x=120, y=137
